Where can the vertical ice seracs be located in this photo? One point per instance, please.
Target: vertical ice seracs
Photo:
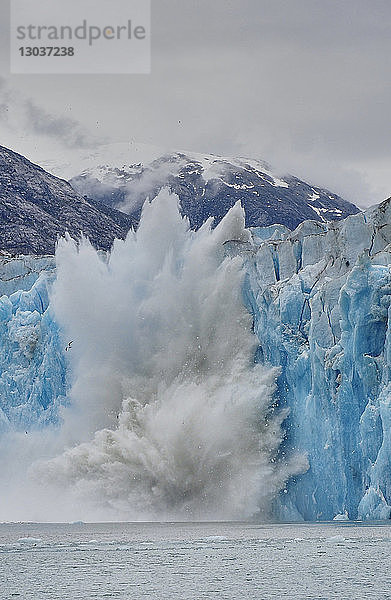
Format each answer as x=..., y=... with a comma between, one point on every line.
x=320, y=297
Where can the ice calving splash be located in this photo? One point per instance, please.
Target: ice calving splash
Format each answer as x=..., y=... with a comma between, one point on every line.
x=170, y=417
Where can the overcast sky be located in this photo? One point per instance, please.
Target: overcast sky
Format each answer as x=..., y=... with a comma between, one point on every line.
x=302, y=84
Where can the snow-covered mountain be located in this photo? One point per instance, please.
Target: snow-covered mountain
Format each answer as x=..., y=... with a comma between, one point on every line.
x=209, y=185
x=36, y=208
x=103, y=202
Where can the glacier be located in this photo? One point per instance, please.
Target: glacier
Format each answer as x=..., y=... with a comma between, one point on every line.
x=319, y=298
x=32, y=363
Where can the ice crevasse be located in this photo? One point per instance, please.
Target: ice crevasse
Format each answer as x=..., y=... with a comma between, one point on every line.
x=320, y=300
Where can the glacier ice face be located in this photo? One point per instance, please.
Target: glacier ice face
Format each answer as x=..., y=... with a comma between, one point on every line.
x=32, y=363
x=320, y=300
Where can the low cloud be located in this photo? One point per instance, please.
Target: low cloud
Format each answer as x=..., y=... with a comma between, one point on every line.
x=148, y=184
x=69, y=131
x=22, y=116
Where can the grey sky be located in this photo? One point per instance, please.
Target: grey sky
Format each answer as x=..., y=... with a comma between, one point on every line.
x=303, y=84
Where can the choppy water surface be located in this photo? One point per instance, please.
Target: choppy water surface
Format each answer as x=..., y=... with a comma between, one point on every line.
x=195, y=560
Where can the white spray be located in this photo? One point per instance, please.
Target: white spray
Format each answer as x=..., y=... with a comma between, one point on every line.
x=170, y=418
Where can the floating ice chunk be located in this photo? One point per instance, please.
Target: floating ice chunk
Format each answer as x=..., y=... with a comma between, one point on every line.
x=341, y=516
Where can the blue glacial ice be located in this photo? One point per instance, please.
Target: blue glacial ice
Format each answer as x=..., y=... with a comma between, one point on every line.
x=319, y=297
x=32, y=362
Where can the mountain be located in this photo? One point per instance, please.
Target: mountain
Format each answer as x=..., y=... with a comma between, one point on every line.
x=103, y=202
x=36, y=208
x=208, y=186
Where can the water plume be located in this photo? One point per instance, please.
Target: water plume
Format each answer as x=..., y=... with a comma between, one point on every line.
x=169, y=416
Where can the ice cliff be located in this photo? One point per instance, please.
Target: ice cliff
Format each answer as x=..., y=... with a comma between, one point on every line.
x=32, y=364
x=320, y=300
x=320, y=297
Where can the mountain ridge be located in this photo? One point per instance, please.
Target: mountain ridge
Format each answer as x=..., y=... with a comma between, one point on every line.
x=37, y=207
x=104, y=202
x=209, y=185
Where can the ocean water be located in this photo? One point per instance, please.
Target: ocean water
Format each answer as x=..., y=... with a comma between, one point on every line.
x=195, y=560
